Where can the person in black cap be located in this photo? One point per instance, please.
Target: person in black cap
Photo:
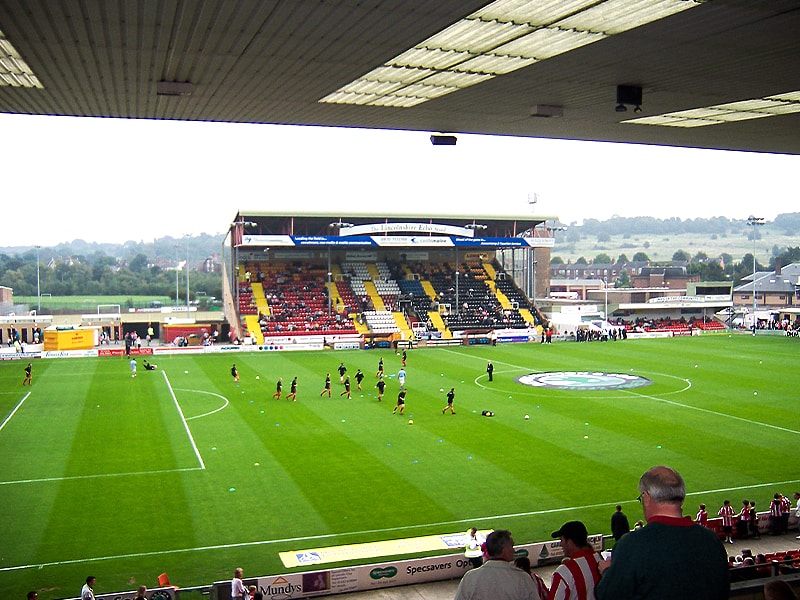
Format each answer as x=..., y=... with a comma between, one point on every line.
x=576, y=578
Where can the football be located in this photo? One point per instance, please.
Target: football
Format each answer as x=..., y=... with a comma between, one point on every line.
x=258, y=377
x=527, y=417
x=411, y=421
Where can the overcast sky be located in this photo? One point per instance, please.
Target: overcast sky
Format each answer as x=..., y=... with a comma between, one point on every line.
x=112, y=180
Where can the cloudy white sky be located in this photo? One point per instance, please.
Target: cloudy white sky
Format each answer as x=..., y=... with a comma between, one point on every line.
x=112, y=180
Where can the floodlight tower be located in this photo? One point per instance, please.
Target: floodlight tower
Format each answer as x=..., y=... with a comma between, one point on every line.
x=754, y=222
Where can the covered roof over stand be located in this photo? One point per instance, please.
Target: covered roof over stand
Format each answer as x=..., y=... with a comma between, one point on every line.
x=252, y=228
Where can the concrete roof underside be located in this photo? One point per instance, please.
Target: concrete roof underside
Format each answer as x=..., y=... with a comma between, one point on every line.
x=271, y=61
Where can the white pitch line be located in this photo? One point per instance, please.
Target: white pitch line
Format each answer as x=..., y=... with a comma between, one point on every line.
x=216, y=410
x=185, y=424
x=309, y=538
x=16, y=408
x=98, y=476
x=713, y=412
x=680, y=404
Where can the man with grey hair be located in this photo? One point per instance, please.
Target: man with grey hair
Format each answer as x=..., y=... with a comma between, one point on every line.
x=498, y=578
x=670, y=557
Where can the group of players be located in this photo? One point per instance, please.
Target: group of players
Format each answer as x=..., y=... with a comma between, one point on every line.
x=344, y=379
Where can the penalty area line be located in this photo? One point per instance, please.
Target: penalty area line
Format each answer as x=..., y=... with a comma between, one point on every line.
x=99, y=476
x=185, y=424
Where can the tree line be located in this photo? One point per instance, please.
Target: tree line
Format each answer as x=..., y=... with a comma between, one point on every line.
x=131, y=269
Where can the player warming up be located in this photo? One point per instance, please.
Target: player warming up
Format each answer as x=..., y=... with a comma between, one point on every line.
x=293, y=391
x=346, y=387
x=234, y=373
x=327, y=388
x=278, y=389
x=401, y=403
x=451, y=395
x=28, y=375
x=359, y=379
x=381, y=385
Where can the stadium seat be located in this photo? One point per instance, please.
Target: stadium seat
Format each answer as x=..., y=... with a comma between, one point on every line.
x=163, y=581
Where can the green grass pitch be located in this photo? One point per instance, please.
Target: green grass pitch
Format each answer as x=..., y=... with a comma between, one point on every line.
x=182, y=470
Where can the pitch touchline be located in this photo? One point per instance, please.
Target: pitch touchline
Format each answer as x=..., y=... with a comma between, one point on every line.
x=185, y=424
x=16, y=408
x=366, y=531
x=99, y=476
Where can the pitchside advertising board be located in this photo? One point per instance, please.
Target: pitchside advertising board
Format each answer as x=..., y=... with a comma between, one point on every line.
x=383, y=575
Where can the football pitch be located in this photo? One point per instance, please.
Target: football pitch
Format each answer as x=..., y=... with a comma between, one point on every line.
x=182, y=470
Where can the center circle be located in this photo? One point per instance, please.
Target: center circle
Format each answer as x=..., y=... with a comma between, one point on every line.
x=583, y=380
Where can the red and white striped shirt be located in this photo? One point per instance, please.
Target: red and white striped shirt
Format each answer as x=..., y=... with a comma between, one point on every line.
x=702, y=518
x=744, y=514
x=727, y=513
x=576, y=578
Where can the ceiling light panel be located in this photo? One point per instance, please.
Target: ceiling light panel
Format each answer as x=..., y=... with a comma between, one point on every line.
x=502, y=37
x=548, y=42
x=475, y=36
x=493, y=64
x=14, y=71
x=744, y=110
x=616, y=16
x=426, y=58
x=537, y=14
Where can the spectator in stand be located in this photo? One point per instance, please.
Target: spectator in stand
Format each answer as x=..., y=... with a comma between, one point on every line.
x=754, y=532
x=238, y=591
x=524, y=563
x=797, y=509
x=670, y=557
x=702, y=516
x=576, y=578
x=775, y=524
x=786, y=508
x=87, y=591
x=743, y=520
x=473, y=550
x=619, y=524
x=728, y=514
x=497, y=579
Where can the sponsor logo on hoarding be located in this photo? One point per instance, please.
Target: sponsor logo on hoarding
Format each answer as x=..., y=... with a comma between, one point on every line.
x=281, y=588
x=431, y=567
x=383, y=573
